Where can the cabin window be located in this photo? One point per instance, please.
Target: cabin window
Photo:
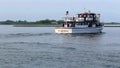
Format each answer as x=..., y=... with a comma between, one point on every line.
x=84, y=15
x=91, y=16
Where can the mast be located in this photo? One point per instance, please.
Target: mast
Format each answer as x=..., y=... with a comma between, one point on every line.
x=67, y=13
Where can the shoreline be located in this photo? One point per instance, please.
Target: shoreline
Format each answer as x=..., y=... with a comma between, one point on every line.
x=47, y=25
x=35, y=25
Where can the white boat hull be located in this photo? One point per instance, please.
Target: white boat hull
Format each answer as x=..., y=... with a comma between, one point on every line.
x=78, y=30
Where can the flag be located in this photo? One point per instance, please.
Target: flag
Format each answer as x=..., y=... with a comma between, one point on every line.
x=67, y=12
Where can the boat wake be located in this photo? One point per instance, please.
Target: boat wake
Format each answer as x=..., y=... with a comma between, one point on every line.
x=23, y=35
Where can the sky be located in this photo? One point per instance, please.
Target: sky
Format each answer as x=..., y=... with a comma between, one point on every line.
x=33, y=10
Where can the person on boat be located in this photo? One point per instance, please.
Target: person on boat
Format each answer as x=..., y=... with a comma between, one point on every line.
x=74, y=21
x=63, y=25
x=68, y=25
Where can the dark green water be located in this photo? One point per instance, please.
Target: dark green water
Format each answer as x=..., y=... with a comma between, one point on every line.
x=40, y=47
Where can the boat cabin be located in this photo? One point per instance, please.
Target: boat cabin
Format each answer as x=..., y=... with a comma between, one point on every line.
x=87, y=19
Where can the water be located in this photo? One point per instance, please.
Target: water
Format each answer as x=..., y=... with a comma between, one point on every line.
x=40, y=47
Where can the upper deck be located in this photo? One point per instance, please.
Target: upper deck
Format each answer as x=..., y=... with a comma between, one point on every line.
x=84, y=17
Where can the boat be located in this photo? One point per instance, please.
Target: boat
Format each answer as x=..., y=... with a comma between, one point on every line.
x=86, y=22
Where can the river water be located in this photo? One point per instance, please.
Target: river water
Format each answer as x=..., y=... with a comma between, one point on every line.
x=40, y=47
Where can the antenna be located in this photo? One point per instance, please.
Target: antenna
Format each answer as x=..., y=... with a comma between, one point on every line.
x=84, y=9
x=89, y=11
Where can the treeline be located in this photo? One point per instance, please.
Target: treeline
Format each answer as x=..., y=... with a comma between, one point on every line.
x=46, y=21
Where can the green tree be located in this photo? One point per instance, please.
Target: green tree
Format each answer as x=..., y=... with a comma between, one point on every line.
x=60, y=22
